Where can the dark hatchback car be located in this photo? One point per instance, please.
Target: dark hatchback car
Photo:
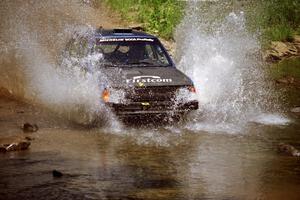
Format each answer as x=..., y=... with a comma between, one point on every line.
x=142, y=78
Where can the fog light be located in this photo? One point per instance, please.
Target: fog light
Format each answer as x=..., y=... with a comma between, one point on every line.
x=105, y=95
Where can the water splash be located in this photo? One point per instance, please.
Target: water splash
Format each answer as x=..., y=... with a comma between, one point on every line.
x=33, y=37
x=224, y=61
x=220, y=55
x=271, y=119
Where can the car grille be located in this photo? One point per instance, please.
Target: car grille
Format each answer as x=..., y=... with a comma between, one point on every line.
x=150, y=94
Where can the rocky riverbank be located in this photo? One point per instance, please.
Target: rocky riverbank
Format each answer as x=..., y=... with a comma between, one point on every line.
x=282, y=50
x=284, y=61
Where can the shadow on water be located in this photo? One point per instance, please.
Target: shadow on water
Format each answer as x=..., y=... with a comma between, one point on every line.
x=126, y=165
x=154, y=120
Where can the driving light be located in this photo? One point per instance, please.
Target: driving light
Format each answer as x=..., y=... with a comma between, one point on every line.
x=105, y=95
x=113, y=95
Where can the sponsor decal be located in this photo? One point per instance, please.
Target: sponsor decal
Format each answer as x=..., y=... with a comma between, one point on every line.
x=148, y=79
x=125, y=39
x=145, y=105
x=140, y=84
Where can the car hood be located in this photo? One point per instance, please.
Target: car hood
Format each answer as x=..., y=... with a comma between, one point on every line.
x=146, y=76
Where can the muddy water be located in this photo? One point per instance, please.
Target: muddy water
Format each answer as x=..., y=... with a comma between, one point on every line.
x=146, y=163
x=227, y=150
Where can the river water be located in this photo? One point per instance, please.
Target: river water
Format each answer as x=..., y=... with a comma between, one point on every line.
x=153, y=163
x=226, y=150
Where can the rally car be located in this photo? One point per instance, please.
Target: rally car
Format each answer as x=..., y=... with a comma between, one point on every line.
x=142, y=78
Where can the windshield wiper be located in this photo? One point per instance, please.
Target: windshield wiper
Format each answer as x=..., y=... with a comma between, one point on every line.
x=143, y=62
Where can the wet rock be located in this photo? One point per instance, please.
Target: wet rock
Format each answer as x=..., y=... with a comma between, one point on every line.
x=11, y=147
x=2, y=149
x=296, y=110
x=14, y=143
x=27, y=127
x=288, y=150
x=57, y=174
x=29, y=138
x=23, y=145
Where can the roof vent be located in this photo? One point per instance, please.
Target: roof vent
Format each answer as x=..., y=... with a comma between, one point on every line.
x=122, y=30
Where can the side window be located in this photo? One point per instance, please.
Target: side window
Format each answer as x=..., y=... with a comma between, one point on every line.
x=161, y=55
x=149, y=52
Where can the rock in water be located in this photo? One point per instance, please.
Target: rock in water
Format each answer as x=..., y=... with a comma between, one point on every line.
x=57, y=174
x=29, y=138
x=2, y=149
x=11, y=147
x=288, y=149
x=23, y=145
x=27, y=127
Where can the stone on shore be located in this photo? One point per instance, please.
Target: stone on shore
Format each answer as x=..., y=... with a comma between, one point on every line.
x=13, y=143
x=279, y=50
x=27, y=127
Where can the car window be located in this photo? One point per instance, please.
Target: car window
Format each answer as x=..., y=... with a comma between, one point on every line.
x=162, y=56
x=133, y=53
x=149, y=52
x=107, y=48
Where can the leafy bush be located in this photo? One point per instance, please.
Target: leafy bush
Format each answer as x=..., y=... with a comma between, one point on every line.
x=278, y=20
x=280, y=33
x=158, y=16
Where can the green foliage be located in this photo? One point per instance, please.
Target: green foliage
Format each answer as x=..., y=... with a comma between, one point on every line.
x=280, y=33
x=288, y=67
x=278, y=20
x=158, y=16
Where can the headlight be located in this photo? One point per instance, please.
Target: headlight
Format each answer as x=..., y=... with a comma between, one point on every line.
x=113, y=95
x=186, y=94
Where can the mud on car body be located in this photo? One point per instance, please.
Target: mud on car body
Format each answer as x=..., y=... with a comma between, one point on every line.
x=142, y=78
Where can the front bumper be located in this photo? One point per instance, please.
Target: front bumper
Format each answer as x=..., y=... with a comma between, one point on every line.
x=157, y=107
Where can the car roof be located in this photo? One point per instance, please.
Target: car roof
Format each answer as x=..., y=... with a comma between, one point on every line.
x=122, y=33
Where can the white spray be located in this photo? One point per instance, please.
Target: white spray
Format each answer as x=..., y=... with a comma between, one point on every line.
x=34, y=36
x=223, y=60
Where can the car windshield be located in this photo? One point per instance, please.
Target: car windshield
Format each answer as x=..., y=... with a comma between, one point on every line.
x=132, y=53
